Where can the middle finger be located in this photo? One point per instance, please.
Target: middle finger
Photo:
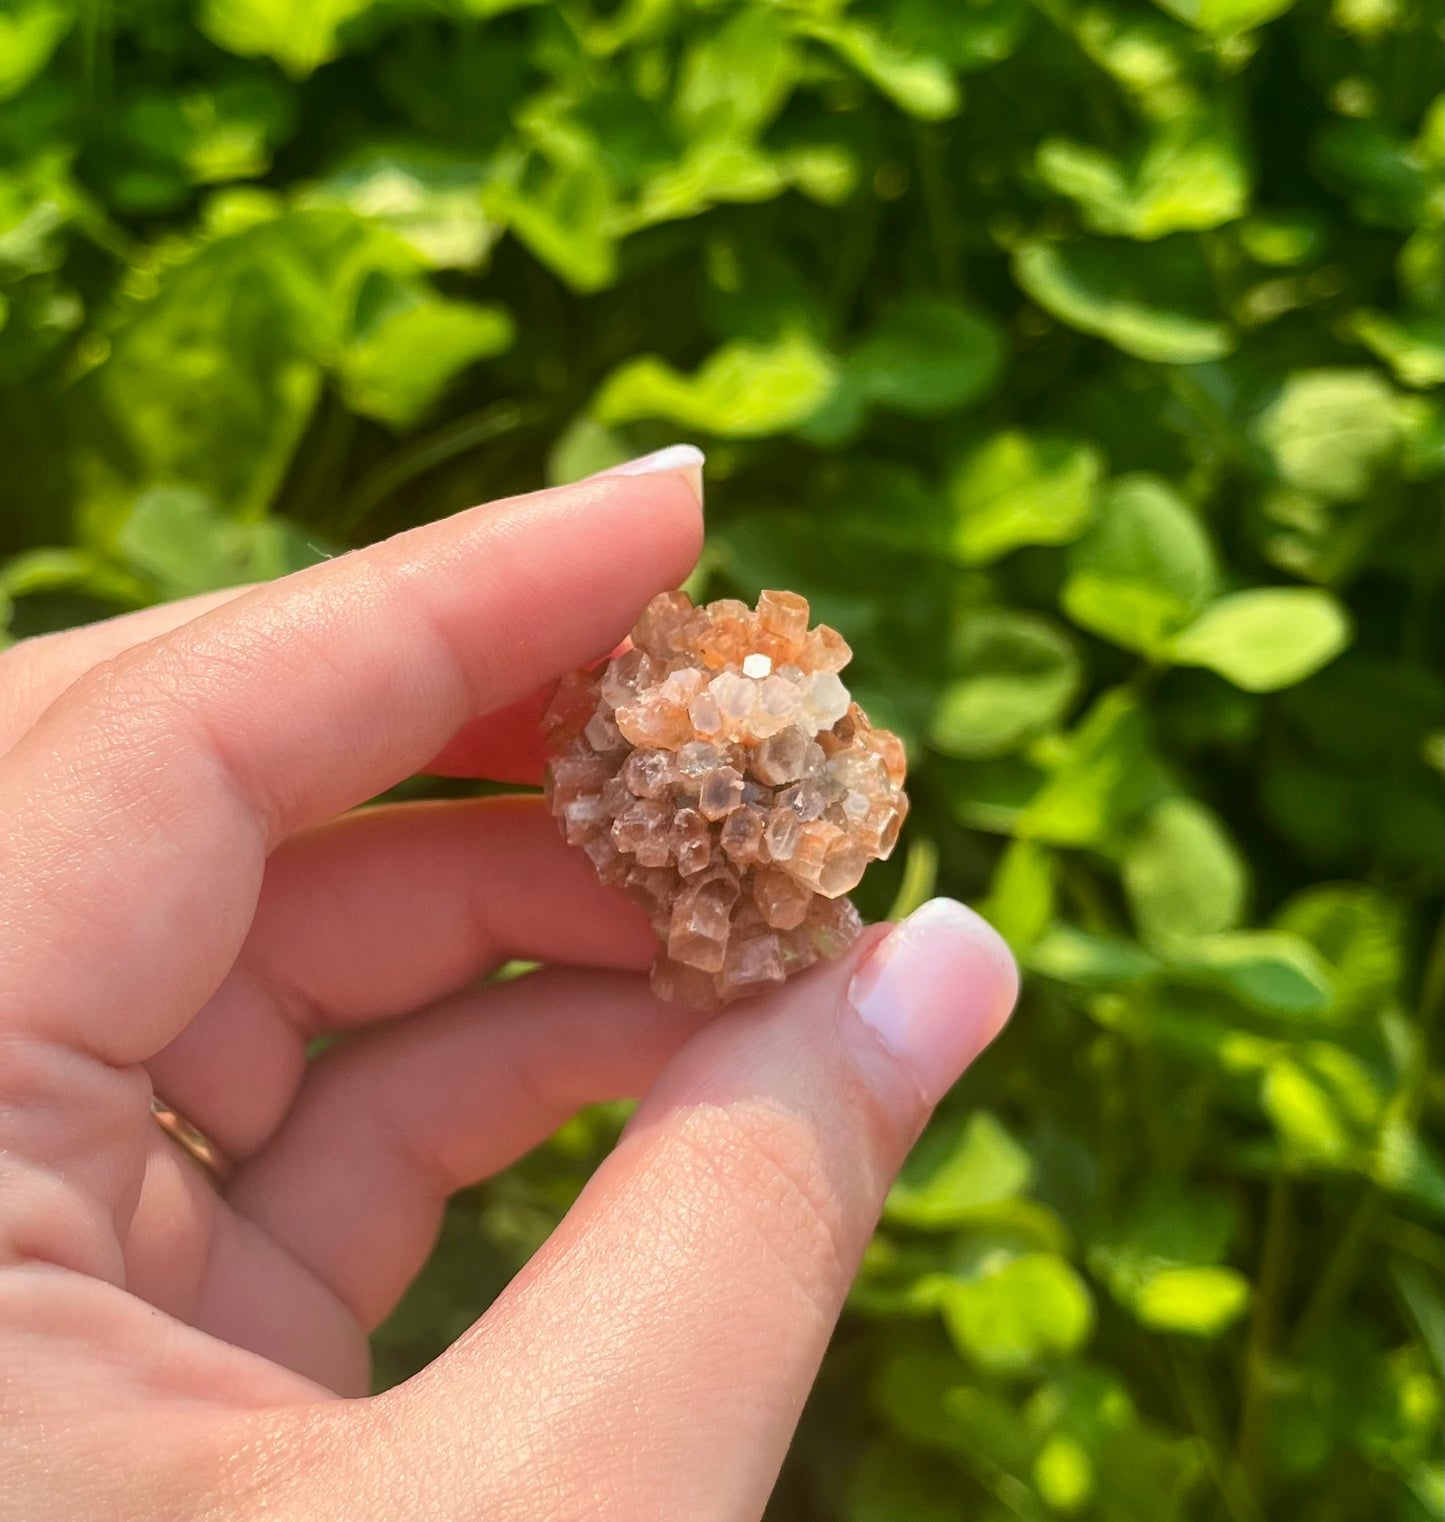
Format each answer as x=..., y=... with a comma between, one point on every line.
x=371, y=916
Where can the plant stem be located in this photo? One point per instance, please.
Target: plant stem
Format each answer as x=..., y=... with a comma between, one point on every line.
x=1270, y=1290
x=1335, y=1280
x=1203, y=1412
x=938, y=203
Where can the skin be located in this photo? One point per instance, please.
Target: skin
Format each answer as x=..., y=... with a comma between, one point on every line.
x=188, y=900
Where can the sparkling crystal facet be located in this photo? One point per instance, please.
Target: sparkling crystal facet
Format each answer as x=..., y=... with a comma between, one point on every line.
x=720, y=773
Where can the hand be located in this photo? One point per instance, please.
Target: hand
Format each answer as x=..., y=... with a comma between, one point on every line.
x=185, y=904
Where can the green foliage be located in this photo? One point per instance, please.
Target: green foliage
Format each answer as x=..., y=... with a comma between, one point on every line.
x=1083, y=363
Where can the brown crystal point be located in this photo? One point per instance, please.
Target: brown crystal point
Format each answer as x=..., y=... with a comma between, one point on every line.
x=720, y=773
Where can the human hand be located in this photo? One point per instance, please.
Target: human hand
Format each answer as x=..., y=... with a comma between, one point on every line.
x=186, y=904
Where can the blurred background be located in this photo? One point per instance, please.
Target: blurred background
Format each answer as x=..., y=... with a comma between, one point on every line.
x=1081, y=361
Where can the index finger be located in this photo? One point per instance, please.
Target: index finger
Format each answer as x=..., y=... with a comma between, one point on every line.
x=138, y=812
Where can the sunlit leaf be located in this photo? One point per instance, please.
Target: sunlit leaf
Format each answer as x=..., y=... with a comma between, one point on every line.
x=30, y=31
x=919, y=82
x=736, y=80
x=744, y=390
x=955, y=1170
x=1267, y=638
x=1359, y=933
x=1331, y=431
x=431, y=201
x=1021, y=488
x=1325, y=1105
x=1024, y=1311
x=1021, y=899
x=1191, y=175
x=1156, y=303
x=1143, y=570
x=299, y=38
x=1164, y=1263
x=407, y=356
x=1106, y=777
x=1225, y=17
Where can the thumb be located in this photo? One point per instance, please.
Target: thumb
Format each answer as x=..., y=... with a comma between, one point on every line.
x=652, y=1359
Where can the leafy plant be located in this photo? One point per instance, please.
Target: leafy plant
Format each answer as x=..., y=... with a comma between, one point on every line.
x=1082, y=361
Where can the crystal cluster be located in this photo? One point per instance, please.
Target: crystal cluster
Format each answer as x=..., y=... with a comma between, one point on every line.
x=720, y=773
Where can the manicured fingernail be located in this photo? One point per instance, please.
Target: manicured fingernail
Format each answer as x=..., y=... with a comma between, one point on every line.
x=685, y=460
x=937, y=991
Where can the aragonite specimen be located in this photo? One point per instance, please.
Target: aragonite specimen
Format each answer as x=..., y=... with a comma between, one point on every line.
x=720, y=773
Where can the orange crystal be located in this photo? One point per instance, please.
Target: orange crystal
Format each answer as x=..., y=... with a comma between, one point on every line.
x=720, y=773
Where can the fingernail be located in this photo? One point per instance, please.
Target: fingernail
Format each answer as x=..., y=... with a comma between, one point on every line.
x=937, y=991
x=685, y=460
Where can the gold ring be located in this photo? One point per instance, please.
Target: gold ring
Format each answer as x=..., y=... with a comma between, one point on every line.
x=195, y=1143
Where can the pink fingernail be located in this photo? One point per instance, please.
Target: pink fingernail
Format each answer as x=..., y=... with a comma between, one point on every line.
x=685, y=460
x=937, y=991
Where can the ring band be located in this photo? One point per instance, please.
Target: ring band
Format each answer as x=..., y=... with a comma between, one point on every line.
x=195, y=1143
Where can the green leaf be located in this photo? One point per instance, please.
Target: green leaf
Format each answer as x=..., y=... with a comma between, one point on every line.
x=1143, y=570
x=920, y=878
x=735, y=81
x=1325, y=1105
x=30, y=31
x=1019, y=1313
x=432, y=201
x=1163, y=1263
x=1073, y=956
x=1188, y=177
x=1064, y=1474
x=1225, y=18
x=969, y=36
x=1413, y=345
x=926, y=357
x=1387, y=178
x=1359, y=933
x=411, y=350
x=1020, y=901
x=1282, y=239
x=299, y=38
x=1267, y=638
x=1420, y=1296
x=1332, y=432
x=1020, y=488
x=955, y=1171
x=211, y=383
x=1273, y=973
x=743, y=390
x=176, y=539
x=36, y=205
x=918, y=83
x=1105, y=778
x=1156, y=303
x=1198, y=1302
x=584, y=449
x=42, y=571
x=1183, y=875
x=1020, y=676
x=567, y=219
